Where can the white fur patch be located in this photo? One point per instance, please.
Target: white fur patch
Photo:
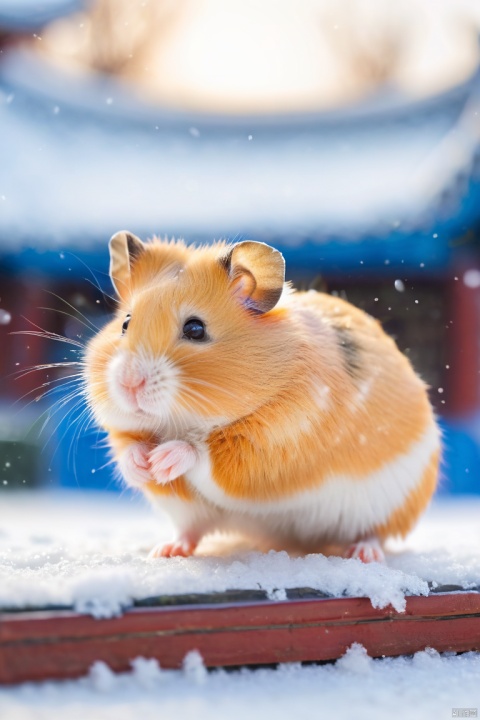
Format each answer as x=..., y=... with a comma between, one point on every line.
x=342, y=508
x=362, y=395
x=193, y=516
x=321, y=396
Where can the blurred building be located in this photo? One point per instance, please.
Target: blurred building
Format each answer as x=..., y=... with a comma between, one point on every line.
x=365, y=175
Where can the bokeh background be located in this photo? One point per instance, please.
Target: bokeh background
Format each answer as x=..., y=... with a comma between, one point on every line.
x=344, y=132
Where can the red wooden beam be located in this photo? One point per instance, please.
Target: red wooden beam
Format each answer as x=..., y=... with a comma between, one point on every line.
x=47, y=645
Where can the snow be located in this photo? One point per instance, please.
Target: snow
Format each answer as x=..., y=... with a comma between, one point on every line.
x=101, y=677
x=176, y=179
x=356, y=660
x=104, y=586
x=194, y=668
x=471, y=278
x=91, y=550
x=5, y=317
x=427, y=685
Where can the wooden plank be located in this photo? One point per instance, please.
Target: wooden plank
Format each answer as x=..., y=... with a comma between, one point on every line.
x=43, y=645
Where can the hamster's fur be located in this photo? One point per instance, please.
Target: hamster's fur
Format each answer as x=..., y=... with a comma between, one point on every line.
x=294, y=419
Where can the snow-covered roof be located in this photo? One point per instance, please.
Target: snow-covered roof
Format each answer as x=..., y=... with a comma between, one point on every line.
x=82, y=157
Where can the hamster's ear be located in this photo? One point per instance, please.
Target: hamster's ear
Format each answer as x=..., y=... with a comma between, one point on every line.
x=257, y=274
x=124, y=248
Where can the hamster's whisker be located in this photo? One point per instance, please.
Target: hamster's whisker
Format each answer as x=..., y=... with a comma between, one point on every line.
x=56, y=407
x=55, y=429
x=66, y=380
x=47, y=410
x=19, y=374
x=91, y=328
x=95, y=284
x=112, y=461
x=55, y=386
x=50, y=412
x=65, y=399
x=48, y=333
x=81, y=428
x=105, y=294
x=49, y=336
x=59, y=297
x=101, y=444
x=71, y=383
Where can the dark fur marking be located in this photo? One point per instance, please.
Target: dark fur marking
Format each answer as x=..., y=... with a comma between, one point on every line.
x=350, y=349
x=226, y=261
x=268, y=298
x=134, y=247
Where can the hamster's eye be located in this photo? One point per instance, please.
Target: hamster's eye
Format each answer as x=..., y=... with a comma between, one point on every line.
x=194, y=329
x=126, y=323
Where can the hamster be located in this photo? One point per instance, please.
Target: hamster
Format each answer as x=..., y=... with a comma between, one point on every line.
x=239, y=404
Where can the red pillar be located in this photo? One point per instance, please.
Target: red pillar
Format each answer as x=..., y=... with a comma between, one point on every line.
x=463, y=338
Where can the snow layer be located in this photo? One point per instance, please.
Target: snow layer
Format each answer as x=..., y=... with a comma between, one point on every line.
x=90, y=551
x=179, y=181
x=427, y=685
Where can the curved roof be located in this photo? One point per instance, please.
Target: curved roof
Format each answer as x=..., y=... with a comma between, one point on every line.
x=82, y=158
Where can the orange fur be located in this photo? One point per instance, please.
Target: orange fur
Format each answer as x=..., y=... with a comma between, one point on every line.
x=310, y=390
x=402, y=520
x=342, y=439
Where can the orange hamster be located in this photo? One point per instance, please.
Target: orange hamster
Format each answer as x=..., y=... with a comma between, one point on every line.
x=239, y=404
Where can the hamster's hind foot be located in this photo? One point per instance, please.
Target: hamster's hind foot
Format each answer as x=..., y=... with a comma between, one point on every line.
x=171, y=459
x=368, y=550
x=182, y=547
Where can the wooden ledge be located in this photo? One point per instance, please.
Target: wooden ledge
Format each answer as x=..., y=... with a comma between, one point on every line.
x=48, y=644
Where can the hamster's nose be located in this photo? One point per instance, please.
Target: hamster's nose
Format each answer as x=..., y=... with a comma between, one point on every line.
x=132, y=380
x=130, y=387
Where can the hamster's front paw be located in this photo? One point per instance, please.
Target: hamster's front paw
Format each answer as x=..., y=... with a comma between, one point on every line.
x=171, y=459
x=134, y=464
